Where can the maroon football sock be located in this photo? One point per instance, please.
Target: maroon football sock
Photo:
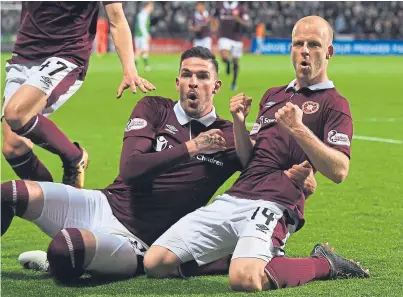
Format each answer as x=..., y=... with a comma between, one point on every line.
x=28, y=166
x=291, y=272
x=42, y=131
x=220, y=266
x=15, y=194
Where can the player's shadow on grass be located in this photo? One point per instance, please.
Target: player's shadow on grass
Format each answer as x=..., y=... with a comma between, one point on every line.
x=89, y=281
x=24, y=276
x=143, y=285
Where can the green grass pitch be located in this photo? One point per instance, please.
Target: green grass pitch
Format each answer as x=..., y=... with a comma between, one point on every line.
x=362, y=217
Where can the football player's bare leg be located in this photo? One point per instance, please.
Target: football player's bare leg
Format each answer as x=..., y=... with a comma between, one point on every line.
x=160, y=262
x=247, y=274
x=26, y=102
x=225, y=56
x=17, y=151
x=23, y=116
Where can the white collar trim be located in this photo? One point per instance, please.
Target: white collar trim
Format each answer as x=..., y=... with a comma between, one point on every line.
x=183, y=118
x=320, y=86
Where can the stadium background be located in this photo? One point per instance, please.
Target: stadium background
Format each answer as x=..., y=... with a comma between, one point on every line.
x=362, y=217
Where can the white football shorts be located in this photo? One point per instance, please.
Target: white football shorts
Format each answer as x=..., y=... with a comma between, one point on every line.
x=142, y=43
x=233, y=46
x=56, y=77
x=230, y=225
x=68, y=207
x=204, y=42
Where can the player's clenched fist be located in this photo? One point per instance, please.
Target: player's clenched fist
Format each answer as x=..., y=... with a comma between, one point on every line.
x=239, y=106
x=210, y=142
x=289, y=116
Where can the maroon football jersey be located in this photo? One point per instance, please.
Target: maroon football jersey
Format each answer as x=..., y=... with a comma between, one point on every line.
x=201, y=20
x=157, y=195
x=326, y=114
x=229, y=27
x=64, y=29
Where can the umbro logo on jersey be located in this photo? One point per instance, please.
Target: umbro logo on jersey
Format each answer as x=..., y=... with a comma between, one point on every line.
x=263, y=228
x=171, y=129
x=47, y=81
x=269, y=104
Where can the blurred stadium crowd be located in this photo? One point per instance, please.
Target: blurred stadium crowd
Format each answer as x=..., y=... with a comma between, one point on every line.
x=361, y=20
x=350, y=19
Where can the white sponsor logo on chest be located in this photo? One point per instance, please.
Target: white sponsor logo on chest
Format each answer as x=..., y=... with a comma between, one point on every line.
x=269, y=104
x=171, y=129
x=162, y=144
x=135, y=124
x=255, y=128
x=211, y=160
x=335, y=137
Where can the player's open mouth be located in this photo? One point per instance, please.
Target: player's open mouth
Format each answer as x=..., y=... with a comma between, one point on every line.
x=192, y=95
x=305, y=64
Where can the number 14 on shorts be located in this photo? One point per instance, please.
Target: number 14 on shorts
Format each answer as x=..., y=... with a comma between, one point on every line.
x=262, y=223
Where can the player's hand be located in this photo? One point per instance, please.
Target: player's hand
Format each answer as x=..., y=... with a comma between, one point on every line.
x=289, y=117
x=302, y=175
x=239, y=106
x=130, y=80
x=210, y=142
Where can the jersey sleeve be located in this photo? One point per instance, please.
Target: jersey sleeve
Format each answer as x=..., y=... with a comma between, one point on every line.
x=144, y=119
x=338, y=128
x=139, y=161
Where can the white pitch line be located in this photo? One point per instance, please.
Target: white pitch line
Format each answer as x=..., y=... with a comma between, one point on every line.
x=367, y=138
x=382, y=120
x=377, y=139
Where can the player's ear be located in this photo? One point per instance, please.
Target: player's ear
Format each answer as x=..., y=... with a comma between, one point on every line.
x=217, y=86
x=330, y=52
x=177, y=84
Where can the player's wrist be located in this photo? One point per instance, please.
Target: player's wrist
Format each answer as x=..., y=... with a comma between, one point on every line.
x=299, y=130
x=193, y=147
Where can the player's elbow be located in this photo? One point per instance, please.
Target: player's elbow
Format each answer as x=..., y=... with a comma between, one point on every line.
x=340, y=176
x=127, y=176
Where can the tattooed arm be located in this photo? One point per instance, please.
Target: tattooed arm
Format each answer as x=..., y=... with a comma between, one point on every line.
x=207, y=143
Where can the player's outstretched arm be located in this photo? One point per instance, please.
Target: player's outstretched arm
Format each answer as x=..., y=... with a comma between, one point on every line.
x=122, y=38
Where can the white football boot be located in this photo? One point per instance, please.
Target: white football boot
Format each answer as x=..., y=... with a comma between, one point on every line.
x=36, y=260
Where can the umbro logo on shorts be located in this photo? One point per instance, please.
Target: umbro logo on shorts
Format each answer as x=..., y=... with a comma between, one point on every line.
x=139, y=249
x=263, y=228
x=47, y=81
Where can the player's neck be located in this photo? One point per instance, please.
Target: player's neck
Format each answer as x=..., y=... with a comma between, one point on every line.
x=301, y=83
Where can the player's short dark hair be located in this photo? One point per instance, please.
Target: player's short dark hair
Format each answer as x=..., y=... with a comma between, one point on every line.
x=200, y=52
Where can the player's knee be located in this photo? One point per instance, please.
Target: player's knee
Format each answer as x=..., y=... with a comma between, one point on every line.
x=246, y=278
x=66, y=254
x=13, y=112
x=158, y=262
